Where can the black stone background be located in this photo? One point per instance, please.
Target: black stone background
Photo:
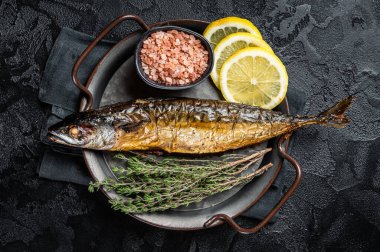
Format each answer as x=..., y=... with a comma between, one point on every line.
x=330, y=49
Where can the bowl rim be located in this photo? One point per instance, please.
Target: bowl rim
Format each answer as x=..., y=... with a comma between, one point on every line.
x=147, y=80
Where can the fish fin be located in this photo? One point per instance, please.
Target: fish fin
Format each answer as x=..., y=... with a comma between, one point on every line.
x=335, y=116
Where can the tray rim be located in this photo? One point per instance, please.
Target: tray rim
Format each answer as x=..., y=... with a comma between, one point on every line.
x=83, y=102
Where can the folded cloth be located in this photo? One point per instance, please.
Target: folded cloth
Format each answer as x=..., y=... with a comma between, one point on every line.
x=57, y=89
x=63, y=167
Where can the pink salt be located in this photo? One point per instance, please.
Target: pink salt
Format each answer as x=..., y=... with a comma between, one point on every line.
x=173, y=58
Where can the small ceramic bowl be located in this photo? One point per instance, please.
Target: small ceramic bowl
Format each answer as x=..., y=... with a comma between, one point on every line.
x=155, y=84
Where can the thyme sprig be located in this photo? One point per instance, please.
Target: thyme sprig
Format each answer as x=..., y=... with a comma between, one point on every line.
x=150, y=184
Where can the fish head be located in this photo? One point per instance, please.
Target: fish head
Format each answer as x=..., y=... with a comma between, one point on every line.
x=80, y=132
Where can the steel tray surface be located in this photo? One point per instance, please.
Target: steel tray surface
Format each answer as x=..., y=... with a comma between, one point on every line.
x=114, y=79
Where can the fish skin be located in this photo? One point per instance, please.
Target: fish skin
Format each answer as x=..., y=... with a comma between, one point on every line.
x=192, y=126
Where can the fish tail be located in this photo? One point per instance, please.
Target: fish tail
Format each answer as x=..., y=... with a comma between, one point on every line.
x=335, y=116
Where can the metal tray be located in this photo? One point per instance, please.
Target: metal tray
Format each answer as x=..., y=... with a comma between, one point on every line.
x=114, y=79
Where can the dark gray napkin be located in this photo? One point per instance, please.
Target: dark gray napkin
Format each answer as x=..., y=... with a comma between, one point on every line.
x=57, y=89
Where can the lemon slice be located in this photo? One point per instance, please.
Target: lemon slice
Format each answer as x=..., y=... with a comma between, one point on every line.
x=220, y=28
x=231, y=44
x=255, y=77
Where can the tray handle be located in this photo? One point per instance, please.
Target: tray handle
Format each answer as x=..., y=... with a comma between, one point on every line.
x=283, y=153
x=91, y=46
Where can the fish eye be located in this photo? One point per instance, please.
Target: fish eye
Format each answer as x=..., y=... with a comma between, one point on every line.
x=74, y=132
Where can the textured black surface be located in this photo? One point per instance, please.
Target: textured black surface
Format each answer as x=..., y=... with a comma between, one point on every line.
x=330, y=49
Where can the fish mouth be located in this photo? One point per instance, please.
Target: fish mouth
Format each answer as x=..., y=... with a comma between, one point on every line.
x=60, y=139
